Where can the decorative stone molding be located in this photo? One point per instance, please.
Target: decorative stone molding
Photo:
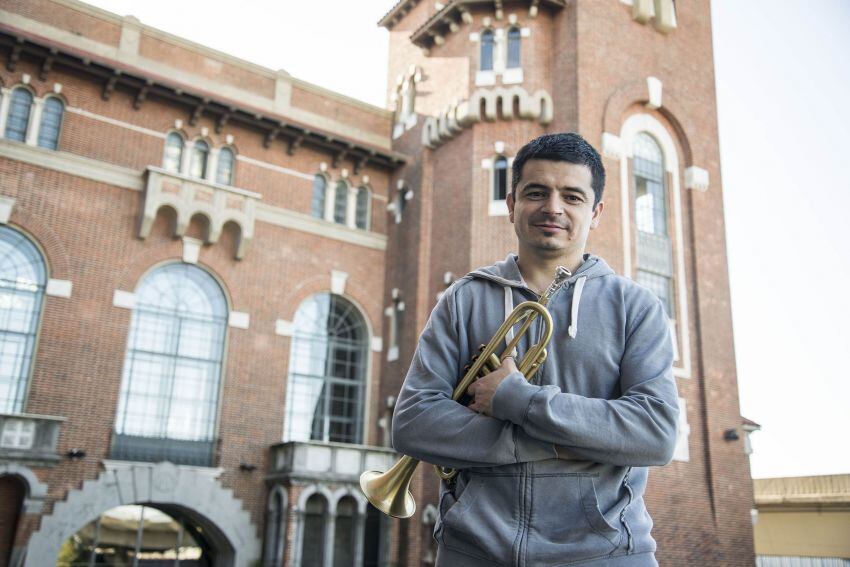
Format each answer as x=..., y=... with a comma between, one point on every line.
x=191, y=249
x=377, y=344
x=29, y=438
x=284, y=328
x=239, y=320
x=612, y=146
x=338, y=280
x=189, y=196
x=36, y=490
x=59, y=288
x=498, y=104
x=662, y=11
x=654, y=88
x=219, y=511
x=696, y=178
x=124, y=299
x=7, y=205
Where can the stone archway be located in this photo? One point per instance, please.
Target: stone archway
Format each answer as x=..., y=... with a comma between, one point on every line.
x=163, y=484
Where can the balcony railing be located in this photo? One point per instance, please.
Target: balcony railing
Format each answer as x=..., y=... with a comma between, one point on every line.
x=156, y=449
x=335, y=462
x=29, y=438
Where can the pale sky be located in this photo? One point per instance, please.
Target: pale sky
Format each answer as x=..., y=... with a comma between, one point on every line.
x=783, y=90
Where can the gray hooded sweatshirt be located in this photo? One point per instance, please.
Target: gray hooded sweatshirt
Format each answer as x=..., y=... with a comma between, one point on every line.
x=605, y=393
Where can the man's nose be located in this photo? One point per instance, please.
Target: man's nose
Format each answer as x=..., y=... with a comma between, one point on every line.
x=553, y=205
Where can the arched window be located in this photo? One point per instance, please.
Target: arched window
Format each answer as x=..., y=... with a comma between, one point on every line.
x=341, y=202
x=361, y=217
x=169, y=391
x=224, y=167
x=313, y=543
x=51, y=123
x=18, y=119
x=500, y=178
x=654, y=251
x=200, y=155
x=276, y=522
x=514, y=36
x=317, y=204
x=22, y=280
x=344, y=532
x=172, y=157
x=487, y=46
x=327, y=371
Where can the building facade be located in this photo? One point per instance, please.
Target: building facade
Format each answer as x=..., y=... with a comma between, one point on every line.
x=214, y=274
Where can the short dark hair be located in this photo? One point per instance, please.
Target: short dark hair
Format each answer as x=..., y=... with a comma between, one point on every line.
x=566, y=146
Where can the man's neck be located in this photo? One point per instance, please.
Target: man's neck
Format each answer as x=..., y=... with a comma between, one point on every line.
x=539, y=271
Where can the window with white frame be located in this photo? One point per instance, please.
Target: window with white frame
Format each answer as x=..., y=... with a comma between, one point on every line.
x=327, y=371
x=199, y=158
x=18, y=118
x=653, y=244
x=313, y=534
x=513, y=53
x=320, y=190
x=172, y=156
x=340, y=210
x=500, y=179
x=224, y=166
x=487, y=50
x=51, y=123
x=23, y=276
x=363, y=208
x=168, y=402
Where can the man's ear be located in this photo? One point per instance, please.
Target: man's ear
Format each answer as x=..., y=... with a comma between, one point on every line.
x=597, y=213
x=510, y=202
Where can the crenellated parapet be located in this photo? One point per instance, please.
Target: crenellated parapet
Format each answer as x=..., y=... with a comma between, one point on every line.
x=487, y=105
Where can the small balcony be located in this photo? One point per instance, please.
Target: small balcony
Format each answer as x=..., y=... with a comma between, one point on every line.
x=28, y=438
x=332, y=462
x=156, y=449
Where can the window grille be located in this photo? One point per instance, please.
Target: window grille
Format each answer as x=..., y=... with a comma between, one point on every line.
x=173, y=155
x=361, y=218
x=22, y=280
x=487, y=46
x=224, y=167
x=341, y=202
x=317, y=205
x=327, y=372
x=51, y=123
x=514, y=43
x=172, y=370
x=20, y=106
x=200, y=155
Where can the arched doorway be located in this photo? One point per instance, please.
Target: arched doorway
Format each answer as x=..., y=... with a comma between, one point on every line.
x=141, y=536
x=12, y=494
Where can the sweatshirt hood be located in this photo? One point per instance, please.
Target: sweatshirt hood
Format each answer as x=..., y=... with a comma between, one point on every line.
x=506, y=272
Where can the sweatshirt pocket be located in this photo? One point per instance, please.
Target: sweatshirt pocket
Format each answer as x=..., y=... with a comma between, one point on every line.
x=566, y=523
x=483, y=521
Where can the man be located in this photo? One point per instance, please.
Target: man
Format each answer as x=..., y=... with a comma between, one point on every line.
x=553, y=472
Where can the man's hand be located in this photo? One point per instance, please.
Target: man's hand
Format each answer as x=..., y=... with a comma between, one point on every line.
x=482, y=390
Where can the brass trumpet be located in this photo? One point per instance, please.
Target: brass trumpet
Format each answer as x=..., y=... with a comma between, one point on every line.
x=389, y=491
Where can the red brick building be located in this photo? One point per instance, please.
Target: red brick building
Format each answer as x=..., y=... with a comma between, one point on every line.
x=214, y=275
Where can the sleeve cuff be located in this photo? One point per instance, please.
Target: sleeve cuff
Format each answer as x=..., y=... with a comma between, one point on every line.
x=511, y=400
x=530, y=449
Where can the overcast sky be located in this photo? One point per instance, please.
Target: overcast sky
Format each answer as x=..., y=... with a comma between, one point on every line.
x=783, y=89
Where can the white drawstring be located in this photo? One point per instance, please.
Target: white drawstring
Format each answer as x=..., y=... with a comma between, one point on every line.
x=573, y=330
x=509, y=307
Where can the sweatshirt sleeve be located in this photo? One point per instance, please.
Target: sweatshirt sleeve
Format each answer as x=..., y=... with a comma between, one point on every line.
x=636, y=429
x=428, y=425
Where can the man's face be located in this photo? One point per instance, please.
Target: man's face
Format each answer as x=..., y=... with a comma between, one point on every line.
x=552, y=210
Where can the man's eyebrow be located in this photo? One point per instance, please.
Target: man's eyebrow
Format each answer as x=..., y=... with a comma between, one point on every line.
x=534, y=185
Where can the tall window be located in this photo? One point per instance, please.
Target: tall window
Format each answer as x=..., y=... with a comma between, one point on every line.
x=200, y=155
x=224, y=167
x=500, y=178
x=344, y=528
x=341, y=202
x=514, y=36
x=317, y=204
x=313, y=544
x=19, y=114
x=173, y=155
x=654, y=251
x=487, y=46
x=51, y=123
x=327, y=371
x=172, y=370
x=22, y=280
x=361, y=217
x=276, y=522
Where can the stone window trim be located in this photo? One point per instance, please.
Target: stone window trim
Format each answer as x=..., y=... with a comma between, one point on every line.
x=209, y=164
x=499, y=67
x=277, y=523
x=497, y=207
x=39, y=135
x=218, y=163
x=34, y=120
x=404, y=97
x=634, y=125
x=173, y=134
x=329, y=203
x=364, y=221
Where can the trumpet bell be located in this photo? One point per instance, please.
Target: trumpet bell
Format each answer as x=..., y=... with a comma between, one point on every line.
x=388, y=492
